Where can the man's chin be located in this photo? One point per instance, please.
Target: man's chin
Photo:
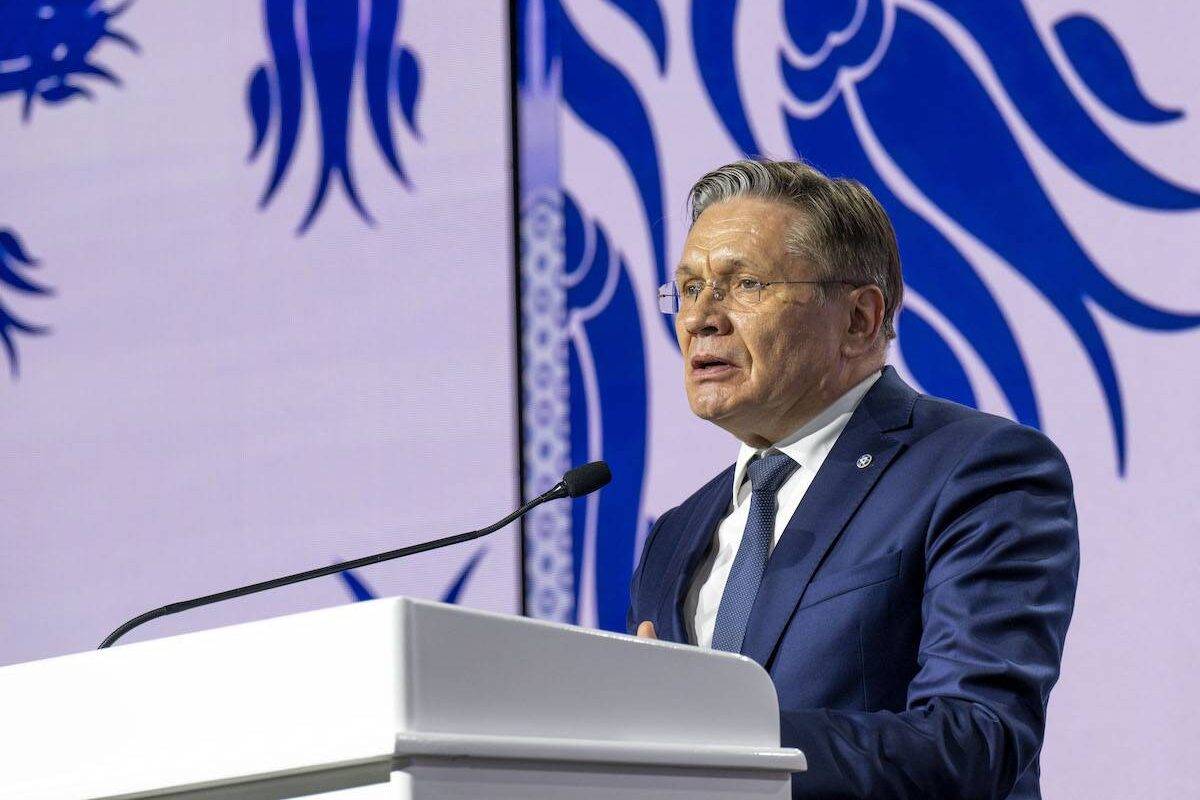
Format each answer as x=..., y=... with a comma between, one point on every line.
x=712, y=409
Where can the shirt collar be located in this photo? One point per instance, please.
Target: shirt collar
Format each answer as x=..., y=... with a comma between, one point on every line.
x=810, y=444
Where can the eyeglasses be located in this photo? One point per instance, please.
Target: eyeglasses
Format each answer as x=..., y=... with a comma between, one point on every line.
x=675, y=297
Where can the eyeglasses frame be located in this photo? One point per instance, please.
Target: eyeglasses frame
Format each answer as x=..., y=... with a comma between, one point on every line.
x=761, y=285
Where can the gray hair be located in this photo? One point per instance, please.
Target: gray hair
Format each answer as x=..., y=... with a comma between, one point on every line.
x=846, y=235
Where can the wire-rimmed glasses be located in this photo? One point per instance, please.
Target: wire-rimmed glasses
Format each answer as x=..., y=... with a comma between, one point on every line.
x=679, y=296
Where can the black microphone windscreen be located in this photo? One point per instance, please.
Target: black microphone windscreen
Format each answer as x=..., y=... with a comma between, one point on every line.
x=587, y=479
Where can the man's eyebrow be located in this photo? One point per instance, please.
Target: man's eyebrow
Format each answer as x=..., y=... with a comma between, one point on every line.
x=730, y=265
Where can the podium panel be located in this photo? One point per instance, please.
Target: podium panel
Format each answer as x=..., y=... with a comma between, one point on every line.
x=394, y=698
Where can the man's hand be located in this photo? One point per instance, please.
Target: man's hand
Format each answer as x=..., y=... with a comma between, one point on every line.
x=646, y=630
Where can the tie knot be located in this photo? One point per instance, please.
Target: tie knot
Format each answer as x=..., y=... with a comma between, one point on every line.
x=767, y=473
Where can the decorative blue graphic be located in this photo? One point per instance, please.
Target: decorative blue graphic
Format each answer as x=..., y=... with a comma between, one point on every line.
x=608, y=102
x=1101, y=62
x=13, y=262
x=855, y=71
x=46, y=48
x=341, y=39
x=609, y=399
x=360, y=590
x=648, y=16
x=583, y=336
x=929, y=104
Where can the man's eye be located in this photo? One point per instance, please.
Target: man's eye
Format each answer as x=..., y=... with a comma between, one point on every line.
x=749, y=284
x=693, y=288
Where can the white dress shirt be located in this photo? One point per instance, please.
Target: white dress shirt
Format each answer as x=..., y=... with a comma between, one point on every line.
x=808, y=447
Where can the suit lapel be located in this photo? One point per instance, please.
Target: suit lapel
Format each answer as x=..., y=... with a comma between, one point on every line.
x=831, y=500
x=694, y=539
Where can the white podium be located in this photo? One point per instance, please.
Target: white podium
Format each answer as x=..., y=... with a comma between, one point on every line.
x=392, y=699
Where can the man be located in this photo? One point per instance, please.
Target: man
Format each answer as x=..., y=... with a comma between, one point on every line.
x=902, y=566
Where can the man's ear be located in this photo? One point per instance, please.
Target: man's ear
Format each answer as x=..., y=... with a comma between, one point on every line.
x=865, y=324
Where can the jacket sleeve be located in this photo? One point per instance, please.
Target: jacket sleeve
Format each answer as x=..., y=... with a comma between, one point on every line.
x=636, y=613
x=1002, y=562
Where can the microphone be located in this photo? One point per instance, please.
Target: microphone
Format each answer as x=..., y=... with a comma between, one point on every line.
x=586, y=479
x=575, y=483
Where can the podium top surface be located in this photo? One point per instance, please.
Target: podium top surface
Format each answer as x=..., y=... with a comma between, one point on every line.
x=370, y=683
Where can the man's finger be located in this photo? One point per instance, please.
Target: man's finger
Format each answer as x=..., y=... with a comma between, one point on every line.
x=646, y=630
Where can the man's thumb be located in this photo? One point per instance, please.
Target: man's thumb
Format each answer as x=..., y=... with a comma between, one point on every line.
x=646, y=630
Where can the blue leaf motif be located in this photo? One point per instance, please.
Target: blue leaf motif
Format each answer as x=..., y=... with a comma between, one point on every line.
x=712, y=38
x=607, y=383
x=258, y=101
x=333, y=31
x=1100, y=61
x=606, y=101
x=45, y=46
x=1012, y=44
x=9, y=322
x=648, y=16
x=931, y=360
x=62, y=93
x=381, y=34
x=835, y=35
x=288, y=76
x=360, y=590
x=13, y=279
x=357, y=586
x=455, y=591
x=348, y=50
x=408, y=86
x=12, y=254
x=11, y=247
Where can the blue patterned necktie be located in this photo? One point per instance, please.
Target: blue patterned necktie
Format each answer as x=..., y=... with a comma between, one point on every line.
x=767, y=474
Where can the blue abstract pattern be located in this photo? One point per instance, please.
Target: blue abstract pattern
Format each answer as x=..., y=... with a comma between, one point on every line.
x=360, y=590
x=549, y=579
x=14, y=262
x=607, y=102
x=938, y=369
x=609, y=398
x=851, y=75
x=340, y=41
x=47, y=48
x=1102, y=64
x=574, y=280
x=648, y=16
x=608, y=387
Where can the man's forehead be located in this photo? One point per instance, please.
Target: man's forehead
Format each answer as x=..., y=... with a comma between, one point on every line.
x=730, y=235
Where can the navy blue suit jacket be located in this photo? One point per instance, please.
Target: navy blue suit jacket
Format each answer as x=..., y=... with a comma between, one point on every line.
x=912, y=615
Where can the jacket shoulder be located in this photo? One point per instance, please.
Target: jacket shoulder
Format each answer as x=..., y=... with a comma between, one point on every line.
x=966, y=434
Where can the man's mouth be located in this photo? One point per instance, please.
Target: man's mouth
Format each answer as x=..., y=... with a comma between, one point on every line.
x=710, y=367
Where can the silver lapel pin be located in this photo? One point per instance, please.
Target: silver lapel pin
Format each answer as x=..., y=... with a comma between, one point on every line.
x=863, y=461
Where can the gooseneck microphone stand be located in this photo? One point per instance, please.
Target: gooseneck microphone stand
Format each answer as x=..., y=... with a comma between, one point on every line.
x=575, y=483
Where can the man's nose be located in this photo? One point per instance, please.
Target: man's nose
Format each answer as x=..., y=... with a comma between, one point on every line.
x=705, y=316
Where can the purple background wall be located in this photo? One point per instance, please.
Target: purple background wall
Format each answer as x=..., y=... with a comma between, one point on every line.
x=222, y=397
